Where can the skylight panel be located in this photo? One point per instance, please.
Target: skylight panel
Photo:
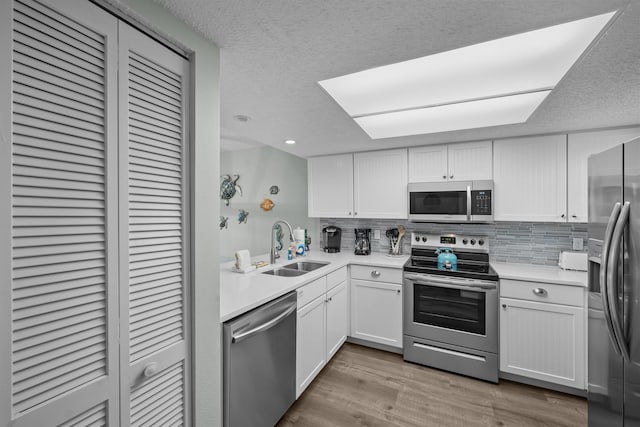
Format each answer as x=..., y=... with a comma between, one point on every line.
x=534, y=61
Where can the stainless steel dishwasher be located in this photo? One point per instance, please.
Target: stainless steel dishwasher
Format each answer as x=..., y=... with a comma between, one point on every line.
x=260, y=364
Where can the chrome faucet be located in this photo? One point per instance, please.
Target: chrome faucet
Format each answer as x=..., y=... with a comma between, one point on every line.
x=274, y=252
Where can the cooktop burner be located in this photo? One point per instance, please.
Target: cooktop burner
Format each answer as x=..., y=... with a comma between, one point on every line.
x=472, y=256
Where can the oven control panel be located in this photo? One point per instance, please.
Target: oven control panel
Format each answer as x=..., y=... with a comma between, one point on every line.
x=454, y=241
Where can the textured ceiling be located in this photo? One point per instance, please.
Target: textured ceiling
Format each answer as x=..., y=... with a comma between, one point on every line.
x=274, y=52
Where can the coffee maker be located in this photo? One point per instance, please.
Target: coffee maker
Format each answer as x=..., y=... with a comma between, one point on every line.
x=363, y=241
x=331, y=237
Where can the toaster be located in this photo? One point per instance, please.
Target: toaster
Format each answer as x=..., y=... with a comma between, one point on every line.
x=573, y=260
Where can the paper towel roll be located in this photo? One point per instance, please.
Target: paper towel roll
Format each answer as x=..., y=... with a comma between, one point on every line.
x=298, y=235
x=243, y=259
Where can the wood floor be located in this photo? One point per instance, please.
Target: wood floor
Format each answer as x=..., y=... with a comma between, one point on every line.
x=366, y=387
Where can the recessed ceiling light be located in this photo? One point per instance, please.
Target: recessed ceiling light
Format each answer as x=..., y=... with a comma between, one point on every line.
x=242, y=118
x=529, y=62
x=289, y=141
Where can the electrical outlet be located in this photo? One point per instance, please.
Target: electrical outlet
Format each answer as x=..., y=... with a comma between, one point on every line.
x=376, y=234
x=578, y=243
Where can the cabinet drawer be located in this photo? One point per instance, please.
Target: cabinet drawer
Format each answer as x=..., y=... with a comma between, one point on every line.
x=311, y=291
x=542, y=292
x=376, y=274
x=336, y=277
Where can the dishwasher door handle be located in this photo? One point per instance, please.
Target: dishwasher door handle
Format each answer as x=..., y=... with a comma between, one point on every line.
x=266, y=325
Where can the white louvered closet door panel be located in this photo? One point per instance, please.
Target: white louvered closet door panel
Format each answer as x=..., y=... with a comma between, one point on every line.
x=154, y=228
x=64, y=272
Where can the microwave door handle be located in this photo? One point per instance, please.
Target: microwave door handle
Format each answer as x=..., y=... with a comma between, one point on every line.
x=615, y=213
x=468, y=203
x=612, y=280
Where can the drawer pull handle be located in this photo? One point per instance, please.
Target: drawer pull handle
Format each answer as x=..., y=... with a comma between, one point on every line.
x=540, y=291
x=375, y=273
x=150, y=370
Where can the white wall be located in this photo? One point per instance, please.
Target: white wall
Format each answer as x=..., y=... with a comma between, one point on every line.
x=205, y=114
x=259, y=169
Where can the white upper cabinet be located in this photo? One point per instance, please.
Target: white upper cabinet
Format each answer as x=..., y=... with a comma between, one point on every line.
x=580, y=147
x=330, y=186
x=530, y=179
x=452, y=162
x=361, y=185
x=380, y=184
x=428, y=164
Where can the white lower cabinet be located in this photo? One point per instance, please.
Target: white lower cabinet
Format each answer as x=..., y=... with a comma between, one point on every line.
x=542, y=332
x=322, y=325
x=376, y=305
x=311, y=355
x=337, y=318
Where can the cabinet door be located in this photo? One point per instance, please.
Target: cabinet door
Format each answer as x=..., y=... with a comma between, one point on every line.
x=59, y=268
x=543, y=341
x=330, y=186
x=530, y=178
x=428, y=164
x=337, y=318
x=154, y=229
x=376, y=312
x=470, y=161
x=310, y=343
x=380, y=184
x=580, y=147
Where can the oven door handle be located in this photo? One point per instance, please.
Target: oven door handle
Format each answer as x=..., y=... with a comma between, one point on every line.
x=451, y=283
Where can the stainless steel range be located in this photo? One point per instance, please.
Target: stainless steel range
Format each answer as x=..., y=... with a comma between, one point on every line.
x=451, y=314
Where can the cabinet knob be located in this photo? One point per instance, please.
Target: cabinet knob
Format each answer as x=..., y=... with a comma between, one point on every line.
x=504, y=306
x=562, y=216
x=450, y=176
x=375, y=273
x=150, y=370
x=444, y=176
x=398, y=291
x=355, y=213
x=574, y=216
x=540, y=291
x=349, y=213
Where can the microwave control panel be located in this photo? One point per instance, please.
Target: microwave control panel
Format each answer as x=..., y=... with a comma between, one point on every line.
x=481, y=202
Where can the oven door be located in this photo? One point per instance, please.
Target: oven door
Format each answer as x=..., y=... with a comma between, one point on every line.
x=452, y=310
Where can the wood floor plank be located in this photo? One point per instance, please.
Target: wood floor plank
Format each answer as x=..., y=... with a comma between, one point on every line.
x=362, y=386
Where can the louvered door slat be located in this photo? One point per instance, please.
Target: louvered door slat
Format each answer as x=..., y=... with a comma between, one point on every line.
x=63, y=240
x=94, y=417
x=40, y=88
x=53, y=19
x=82, y=346
x=141, y=67
x=46, y=135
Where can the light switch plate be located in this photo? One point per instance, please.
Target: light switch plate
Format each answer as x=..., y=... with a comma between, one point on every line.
x=376, y=234
x=578, y=244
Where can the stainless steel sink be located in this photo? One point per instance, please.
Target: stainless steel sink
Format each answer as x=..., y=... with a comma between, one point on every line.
x=285, y=272
x=306, y=265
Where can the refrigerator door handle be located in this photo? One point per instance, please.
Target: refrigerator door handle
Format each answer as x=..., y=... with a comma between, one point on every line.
x=612, y=278
x=615, y=213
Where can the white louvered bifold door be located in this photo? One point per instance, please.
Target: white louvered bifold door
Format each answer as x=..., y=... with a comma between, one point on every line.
x=154, y=230
x=63, y=244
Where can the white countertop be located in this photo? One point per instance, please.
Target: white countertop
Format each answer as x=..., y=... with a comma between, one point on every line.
x=540, y=273
x=240, y=293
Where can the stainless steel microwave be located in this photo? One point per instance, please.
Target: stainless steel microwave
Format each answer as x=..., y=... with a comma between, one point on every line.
x=455, y=201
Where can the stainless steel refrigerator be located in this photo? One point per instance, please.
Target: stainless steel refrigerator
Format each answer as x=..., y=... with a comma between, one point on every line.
x=614, y=287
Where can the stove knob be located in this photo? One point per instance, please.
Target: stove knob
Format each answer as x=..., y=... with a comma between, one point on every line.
x=481, y=242
x=417, y=238
x=473, y=241
x=465, y=241
x=424, y=239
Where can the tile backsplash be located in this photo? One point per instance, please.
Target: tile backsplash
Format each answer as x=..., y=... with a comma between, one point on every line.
x=522, y=242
